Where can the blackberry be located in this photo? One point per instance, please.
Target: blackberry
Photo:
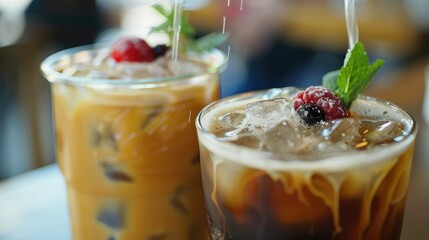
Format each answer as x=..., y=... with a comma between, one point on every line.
x=160, y=50
x=311, y=113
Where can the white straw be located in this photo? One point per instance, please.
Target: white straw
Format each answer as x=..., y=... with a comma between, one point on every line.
x=176, y=28
x=351, y=21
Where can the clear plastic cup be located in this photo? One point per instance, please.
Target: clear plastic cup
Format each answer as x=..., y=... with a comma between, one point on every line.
x=425, y=109
x=254, y=195
x=128, y=150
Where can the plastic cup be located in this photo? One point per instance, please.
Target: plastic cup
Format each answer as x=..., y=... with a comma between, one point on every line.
x=254, y=195
x=128, y=150
x=425, y=109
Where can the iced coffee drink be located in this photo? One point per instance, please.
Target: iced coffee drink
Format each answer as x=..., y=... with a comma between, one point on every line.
x=126, y=139
x=302, y=164
x=266, y=176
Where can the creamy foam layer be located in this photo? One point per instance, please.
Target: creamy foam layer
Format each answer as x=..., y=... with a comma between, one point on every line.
x=363, y=108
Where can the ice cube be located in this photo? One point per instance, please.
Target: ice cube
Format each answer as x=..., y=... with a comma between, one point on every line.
x=176, y=201
x=103, y=137
x=250, y=141
x=289, y=137
x=233, y=120
x=77, y=70
x=378, y=132
x=328, y=148
x=263, y=115
x=243, y=137
x=112, y=215
x=139, y=70
x=345, y=130
x=272, y=93
x=101, y=57
x=97, y=75
x=287, y=92
x=185, y=67
x=152, y=116
x=115, y=173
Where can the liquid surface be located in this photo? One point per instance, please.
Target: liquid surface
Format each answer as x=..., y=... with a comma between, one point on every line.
x=97, y=64
x=272, y=125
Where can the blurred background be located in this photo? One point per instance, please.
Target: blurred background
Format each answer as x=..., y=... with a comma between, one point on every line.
x=273, y=43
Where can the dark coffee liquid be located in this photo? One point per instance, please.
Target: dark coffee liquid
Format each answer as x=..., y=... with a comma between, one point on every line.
x=362, y=207
x=259, y=219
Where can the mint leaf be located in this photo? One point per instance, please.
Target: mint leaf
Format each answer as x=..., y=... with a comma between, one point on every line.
x=161, y=9
x=330, y=80
x=210, y=41
x=187, y=32
x=186, y=29
x=355, y=74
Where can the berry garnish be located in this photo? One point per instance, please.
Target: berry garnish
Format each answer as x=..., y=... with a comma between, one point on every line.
x=324, y=98
x=132, y=49
x=311, y=113
x=160, y=50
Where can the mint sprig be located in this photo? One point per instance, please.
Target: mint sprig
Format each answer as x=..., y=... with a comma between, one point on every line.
x=330, y=80
x=187, y=32
x=357, y=71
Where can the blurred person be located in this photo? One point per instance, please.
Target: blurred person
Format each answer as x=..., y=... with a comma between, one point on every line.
x=65, y=22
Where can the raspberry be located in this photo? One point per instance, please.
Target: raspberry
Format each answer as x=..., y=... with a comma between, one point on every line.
x=331, y=105
x=132, y=49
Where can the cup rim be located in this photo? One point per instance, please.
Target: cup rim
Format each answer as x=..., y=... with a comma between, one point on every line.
x=215, y=59
x=268, y=161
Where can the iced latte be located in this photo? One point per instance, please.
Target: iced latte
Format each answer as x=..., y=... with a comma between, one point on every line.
x=126, y=140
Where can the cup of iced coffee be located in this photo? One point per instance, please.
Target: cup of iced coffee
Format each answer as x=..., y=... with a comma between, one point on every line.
x=294, y=163
x=126, y=139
